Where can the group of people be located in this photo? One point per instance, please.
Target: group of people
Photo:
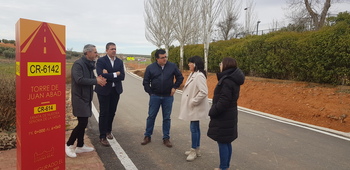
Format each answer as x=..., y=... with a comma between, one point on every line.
x=161, y=79
x=108, y=86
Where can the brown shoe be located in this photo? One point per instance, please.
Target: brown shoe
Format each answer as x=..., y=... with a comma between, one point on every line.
x=109, y=136
x=146, y=140
x=167, y=143
x=104, y=142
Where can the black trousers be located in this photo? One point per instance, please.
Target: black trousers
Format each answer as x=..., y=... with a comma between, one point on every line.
x=78, y=132
x=108, y=107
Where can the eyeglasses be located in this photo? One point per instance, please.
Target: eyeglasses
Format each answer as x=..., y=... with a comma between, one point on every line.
x=162, y=57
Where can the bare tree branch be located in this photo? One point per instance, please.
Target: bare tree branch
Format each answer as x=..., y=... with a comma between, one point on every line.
x=210, y=10
x=230, y=15
x=159, y=22
x=153, y=24
x=187, y=24
x=167, y=22
x=313, y=11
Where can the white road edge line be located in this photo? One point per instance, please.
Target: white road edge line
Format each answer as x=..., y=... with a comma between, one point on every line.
x=118, y=150
x=326, y=131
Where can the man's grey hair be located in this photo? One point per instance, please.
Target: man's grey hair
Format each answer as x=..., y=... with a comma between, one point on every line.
x=88, y=47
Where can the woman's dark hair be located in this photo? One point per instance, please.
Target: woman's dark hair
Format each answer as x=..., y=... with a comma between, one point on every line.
x=160, y=51
x=199, y=64
x=228, y=63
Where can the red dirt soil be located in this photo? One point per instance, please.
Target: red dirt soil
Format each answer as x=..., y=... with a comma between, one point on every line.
x=320, y=105
x=7, y=45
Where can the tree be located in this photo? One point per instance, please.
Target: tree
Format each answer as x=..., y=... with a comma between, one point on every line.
x=159, y=22
x=313, y=10
x=12, y=42
x=187, y=24
x=210, y=10
x=153, y=24
x=318, y=19
x=341, y=17
x=300, y=20
x=167, y=13
x=230, y=16
x=5, y=41
x=9, y=53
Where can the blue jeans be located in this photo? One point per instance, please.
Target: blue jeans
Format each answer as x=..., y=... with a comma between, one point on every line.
x=154, y=104
x=195, y=134
x=225, y=152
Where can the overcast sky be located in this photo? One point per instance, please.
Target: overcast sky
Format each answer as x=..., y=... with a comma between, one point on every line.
x=119, y=21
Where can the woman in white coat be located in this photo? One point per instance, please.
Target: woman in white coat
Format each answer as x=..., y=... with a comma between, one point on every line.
x=194, y=103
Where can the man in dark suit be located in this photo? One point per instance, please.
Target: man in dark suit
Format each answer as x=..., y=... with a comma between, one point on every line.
x=111, y=68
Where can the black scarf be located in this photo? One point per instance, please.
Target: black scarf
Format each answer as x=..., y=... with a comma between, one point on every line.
x=90, y=64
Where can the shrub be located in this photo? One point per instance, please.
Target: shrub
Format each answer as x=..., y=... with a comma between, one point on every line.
x=9, y=53
x=321, y=56
x=7, y=103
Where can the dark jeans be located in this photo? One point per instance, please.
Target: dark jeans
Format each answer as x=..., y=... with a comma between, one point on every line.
x=78, y=132
x=154, y=104
x=108, y=107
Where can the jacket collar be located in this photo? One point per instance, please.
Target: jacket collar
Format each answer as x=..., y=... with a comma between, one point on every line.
x=221, y=76
x=90, y=64
x=191, y=77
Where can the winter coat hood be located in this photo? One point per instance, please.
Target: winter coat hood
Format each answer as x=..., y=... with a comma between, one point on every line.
x=234, y=74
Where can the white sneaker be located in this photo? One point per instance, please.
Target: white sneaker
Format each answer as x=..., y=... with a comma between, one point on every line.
x=192, y=155
x=84, y=149
x=70, y=151
x=198, y=152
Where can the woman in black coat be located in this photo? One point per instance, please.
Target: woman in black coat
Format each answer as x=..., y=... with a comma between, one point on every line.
x=223, y=112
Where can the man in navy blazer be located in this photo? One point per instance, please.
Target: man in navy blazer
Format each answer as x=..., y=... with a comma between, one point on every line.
x=111, y=68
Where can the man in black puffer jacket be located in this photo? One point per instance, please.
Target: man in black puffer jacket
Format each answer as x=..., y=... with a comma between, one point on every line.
x=159, y=83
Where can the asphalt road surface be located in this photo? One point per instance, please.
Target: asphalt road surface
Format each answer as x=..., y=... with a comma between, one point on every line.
x=262, y=144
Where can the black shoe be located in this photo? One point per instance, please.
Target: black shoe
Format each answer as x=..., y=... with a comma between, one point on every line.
x=146, y=140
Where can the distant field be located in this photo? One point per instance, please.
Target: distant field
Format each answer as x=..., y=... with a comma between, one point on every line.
x=141, y=61
x=7, y=45
x=8, y=68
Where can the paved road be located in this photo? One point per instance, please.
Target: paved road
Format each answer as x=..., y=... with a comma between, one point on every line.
x=262, y=143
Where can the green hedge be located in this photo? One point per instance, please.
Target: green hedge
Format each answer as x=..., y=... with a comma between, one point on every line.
x=321, y=56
